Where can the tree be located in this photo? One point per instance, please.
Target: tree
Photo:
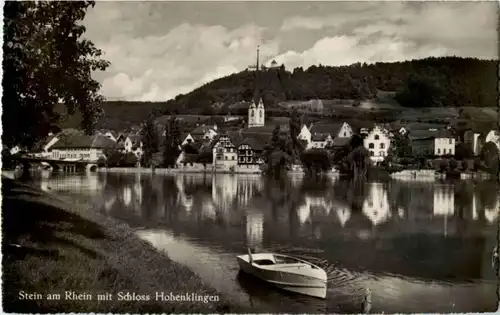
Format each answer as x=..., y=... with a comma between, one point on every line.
x=205, y=157
x=149, y=141
x=172, y=142
x=490, y=156
x=400, y=146
x=294, y=132
x=47, y=62
x=316, y=161
x=463, y=151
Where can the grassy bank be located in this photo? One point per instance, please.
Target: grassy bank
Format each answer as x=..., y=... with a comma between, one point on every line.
x=51, y=246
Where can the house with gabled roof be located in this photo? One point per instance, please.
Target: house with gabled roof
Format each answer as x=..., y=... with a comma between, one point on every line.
x=224, y=153
x=133, y=144
x=322, y=134
x=321, y=140
x=305, y=133
x=82, y=147
x=250, y=152
x=204, y=132
x=432, y=142
x=493, y=136
x=377, y=142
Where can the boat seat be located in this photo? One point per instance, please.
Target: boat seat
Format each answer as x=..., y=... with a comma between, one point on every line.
x=264, y=262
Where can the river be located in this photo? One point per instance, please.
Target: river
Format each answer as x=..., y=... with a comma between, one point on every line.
x=418, y=246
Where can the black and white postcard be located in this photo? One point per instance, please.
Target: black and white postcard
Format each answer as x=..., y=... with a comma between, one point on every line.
x=250, y=157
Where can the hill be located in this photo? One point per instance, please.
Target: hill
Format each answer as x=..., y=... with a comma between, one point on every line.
x=416, y=85
x=430, y=82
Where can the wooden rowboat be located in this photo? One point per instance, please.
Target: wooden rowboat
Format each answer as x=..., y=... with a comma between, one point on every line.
x=286, y=272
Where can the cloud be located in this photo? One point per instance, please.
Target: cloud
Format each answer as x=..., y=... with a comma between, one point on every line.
x=345, y=50
x=158, y=68
x=159, y=50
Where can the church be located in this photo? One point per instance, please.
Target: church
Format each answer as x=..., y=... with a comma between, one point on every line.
x=256, y=114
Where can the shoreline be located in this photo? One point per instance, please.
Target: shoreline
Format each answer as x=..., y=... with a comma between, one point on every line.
x=407, y=174
x=54, y=245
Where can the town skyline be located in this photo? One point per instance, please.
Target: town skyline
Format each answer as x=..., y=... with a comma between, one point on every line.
x=179, y=46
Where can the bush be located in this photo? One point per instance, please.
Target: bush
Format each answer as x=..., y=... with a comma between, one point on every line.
x=101, y=162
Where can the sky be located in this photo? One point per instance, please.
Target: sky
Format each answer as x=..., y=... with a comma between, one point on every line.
x=161, y=49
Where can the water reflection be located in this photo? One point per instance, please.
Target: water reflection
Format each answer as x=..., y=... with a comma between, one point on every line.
x=365, y=234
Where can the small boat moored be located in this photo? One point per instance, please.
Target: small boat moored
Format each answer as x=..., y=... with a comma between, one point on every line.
x=286, y=272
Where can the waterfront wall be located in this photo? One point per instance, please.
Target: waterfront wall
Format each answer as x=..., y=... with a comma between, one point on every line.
x=209, y=169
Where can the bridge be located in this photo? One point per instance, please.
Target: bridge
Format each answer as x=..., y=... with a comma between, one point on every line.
x=65, y=165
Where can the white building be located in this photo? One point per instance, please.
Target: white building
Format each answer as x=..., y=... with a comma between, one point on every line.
x=225, y=155
x=133, y=144
x=204, y=132
x=317, y=135
x=51, y=141
x=81, y=147
x=444, y=145
x=493, y=136
x=187, y=139
x=256, y=115
x=305, y=134
x=377, y=142
x=320, y=141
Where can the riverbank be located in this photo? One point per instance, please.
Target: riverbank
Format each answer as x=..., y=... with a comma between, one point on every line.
x=174, y=170
x=51, y=245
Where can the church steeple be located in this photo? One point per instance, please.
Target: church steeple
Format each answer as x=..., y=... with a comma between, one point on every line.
x=256, y=111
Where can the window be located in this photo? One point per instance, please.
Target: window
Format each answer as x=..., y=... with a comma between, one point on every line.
x=371, y=153
x=439, y=151
x=382, y=145
x=371, y=146
x=451, y=141
x=225, y=157
x=345, y=134
x=232, y=158
x=252, y=113
x=260, y=113
x=376, y=137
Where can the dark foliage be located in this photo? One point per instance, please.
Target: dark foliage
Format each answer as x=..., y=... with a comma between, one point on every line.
x=172, y=143
x=316, y=161
x=7, y=161
x=490, y=158
x=205, y=158
x=446, y=81
x=149, y=141
x=116, y=158
x=46, y=62
x=463, y=151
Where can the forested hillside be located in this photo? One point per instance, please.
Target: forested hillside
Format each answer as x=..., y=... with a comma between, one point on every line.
x=431, y=82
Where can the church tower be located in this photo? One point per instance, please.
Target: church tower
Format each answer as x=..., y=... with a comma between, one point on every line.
x=256, y=112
